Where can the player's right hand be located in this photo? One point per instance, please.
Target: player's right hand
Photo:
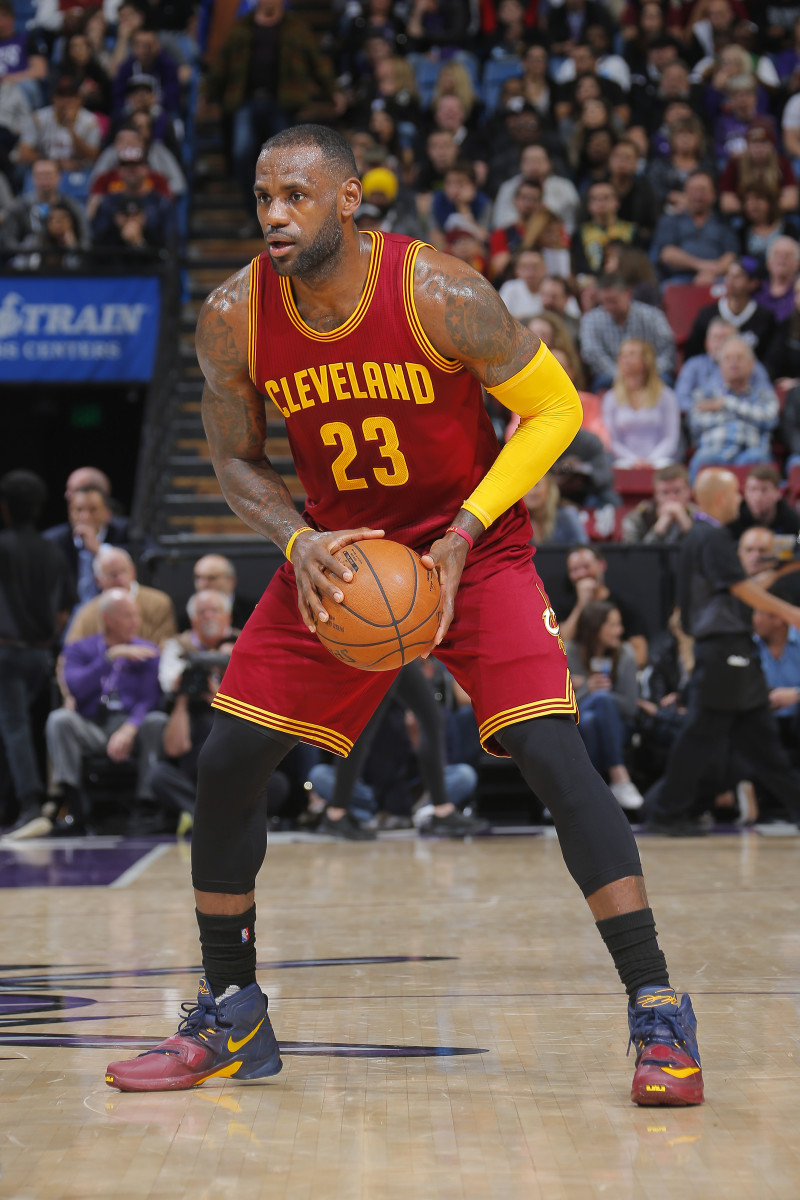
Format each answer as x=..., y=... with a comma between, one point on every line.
x=317, y=572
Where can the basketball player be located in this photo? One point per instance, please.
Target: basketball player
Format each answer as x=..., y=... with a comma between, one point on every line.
x=374, y=349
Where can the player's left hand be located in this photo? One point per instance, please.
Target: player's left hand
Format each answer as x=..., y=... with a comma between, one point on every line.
x=446, y=557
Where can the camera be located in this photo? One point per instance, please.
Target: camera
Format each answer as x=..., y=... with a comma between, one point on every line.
x=195, y=678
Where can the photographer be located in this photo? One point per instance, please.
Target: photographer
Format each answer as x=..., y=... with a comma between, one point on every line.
x=191, y=669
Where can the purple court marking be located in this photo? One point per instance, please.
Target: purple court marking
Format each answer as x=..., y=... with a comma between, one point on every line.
x=12, y=1003
x=84, y=864
x=328, y=1049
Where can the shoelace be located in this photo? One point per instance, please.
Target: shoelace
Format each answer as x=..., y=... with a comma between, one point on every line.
x=646, y=1026
x=197, y=1016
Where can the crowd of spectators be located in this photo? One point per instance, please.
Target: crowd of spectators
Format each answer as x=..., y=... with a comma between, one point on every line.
x=93, y=99
x=624, y=173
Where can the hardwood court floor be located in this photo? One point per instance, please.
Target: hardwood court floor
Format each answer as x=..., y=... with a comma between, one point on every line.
x=482, y=953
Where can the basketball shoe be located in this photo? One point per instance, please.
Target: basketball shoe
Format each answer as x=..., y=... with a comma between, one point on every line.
x=664, y=1034
x=217, y=1039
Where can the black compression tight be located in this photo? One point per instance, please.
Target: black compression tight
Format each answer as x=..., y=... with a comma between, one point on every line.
x=595, y=837
x=229, y=838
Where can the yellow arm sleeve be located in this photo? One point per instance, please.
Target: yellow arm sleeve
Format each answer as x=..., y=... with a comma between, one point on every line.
x=550, y=416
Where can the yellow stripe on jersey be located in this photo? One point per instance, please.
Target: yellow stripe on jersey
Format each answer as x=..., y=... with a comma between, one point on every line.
x=318, y=735
x=550, y=416
x=252, y=325
x=525, y=712
x=363, y=304
x=450, y=365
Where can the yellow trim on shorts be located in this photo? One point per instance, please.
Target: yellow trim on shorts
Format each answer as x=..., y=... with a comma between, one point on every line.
x=318, y=735
x=450, y=365
x=525, y=712
x=357, y=317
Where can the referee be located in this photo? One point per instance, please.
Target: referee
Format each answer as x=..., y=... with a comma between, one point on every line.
x=728, y=698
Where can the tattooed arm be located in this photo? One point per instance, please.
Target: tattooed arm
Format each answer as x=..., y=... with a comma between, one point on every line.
x=235, y=424
x=234, y=419
x=465, y=319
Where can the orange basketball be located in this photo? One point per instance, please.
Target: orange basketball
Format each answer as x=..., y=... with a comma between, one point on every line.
x=391, y=607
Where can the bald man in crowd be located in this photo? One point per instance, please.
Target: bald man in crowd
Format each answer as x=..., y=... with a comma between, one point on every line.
x=114, y=568
x=218, y=573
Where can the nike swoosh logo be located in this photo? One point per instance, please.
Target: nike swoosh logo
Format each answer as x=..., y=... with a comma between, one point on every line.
x=678, y=1072
x=234, y=1046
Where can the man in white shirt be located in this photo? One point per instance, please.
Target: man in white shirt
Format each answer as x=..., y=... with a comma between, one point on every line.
x=559, y=194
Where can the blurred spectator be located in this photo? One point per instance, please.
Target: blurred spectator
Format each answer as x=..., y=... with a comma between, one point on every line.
x=459, y=206
x=129, y=19
x=455, y=80
x=508, y=27
x=520, y=293
x=36, y=595
x=96, y=32
x=441, y=153
x=763, y=505
x=586, y=572
x=438, y=24
x=787, y=60
x=209, y=613
x=732, y=425
x=567, y=24
x=741, y=109
x=779, y=644
x=591, y=237
x=137, y=132
x=57, y=245
x=22, y=59
x=640, y=411
x=557, y=298
x=535, y=82
x=559, y=194
x=216, y=572
x=618, y=318
x=504, y=242
x=114, y=568
x=386, y=205
x=131, y=175
x=268, y=69
x=583, y=472
x=777, y=291
x=759, y=163
x=90, y=525
x=64, y=131
x=362, y=21
x=756, y=550
x=635, y=267
x=790, y=427
x=699, y=370
x=79, y=62
x=755, y=325
x=25, y=219
x=449, y=115
x=593, y=160
x=160, y=126
x=147, y=57
x=762, y=223
x=137, y=220
x=783, y=358
x=694, y=245
x=666, y=518
x=113, y=676
x=687, y=154
x=637, y=200
x=553, y=523
x=603, y=672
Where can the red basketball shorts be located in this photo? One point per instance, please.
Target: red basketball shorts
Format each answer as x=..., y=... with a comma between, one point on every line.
x=503, y=647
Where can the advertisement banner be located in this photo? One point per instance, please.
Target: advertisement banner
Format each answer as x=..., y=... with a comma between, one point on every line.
x=66, y=329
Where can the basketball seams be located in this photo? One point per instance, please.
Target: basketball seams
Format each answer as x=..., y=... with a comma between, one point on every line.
x=380, y=586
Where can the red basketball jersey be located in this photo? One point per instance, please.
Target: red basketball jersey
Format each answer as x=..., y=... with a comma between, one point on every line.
x=383, y=430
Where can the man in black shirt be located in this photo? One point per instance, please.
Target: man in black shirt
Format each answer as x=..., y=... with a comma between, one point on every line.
x=763, y=504
x=36, y=596
x=728, y=698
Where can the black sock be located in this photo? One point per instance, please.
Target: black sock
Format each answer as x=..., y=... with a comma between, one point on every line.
x=631, y=941
x=229, y=949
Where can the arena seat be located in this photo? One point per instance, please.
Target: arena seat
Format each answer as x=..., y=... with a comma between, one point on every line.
x=633, y=483
x=495, y=73
x=426, y=72
x=682, y=302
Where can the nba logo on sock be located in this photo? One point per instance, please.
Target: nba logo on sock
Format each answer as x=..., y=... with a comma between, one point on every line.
x=245, y=934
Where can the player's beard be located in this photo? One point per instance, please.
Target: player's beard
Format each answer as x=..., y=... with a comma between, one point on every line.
x=321, y=257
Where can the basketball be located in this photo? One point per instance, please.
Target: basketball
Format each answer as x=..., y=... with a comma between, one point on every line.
x=391, y=608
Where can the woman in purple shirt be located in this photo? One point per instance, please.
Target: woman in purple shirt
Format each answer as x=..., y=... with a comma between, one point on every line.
x=640, y=412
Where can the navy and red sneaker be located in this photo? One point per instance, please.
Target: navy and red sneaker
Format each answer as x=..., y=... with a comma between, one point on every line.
x=230, y=1038
x=664, y=1033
